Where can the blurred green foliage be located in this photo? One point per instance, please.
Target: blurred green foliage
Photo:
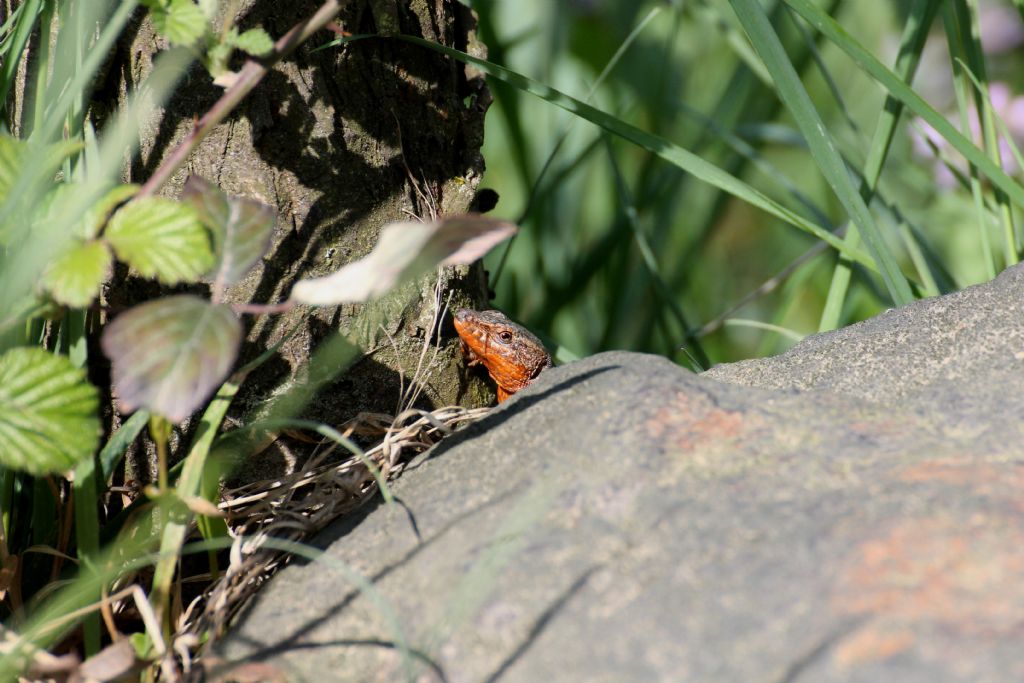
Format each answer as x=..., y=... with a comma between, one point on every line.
x=576, y=273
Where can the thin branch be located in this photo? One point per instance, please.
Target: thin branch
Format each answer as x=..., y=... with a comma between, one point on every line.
x=263, y=309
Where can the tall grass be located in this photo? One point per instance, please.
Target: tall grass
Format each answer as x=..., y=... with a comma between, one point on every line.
x=815, y=105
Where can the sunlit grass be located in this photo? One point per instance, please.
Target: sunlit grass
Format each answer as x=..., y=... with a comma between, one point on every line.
x=692, y=77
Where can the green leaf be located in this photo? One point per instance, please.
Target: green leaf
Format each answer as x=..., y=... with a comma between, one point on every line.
x=99, y=212
x=919, y=19
x=793, y=95
x=161, y=238
x=405, y=251
x=241, y=229
x=182, y=22
x=74, y=278
x=48, y=412
x=255, y=42
x=168, y=355
x=216, y=59
x=60, y=206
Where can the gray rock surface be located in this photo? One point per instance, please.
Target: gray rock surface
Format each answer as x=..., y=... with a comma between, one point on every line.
x=954, y=354
x=850, y=511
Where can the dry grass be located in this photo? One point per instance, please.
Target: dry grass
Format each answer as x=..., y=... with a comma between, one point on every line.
x=295, y=507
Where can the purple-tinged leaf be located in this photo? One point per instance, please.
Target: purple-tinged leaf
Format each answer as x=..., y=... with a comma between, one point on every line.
x=169, y=355
x=242, y=229
x=405, y=251
x=468, y=238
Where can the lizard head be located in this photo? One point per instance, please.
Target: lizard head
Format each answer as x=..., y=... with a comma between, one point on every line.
x=512, y=355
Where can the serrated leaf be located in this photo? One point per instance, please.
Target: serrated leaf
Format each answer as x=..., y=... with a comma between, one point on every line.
x=405, y=251
x=169, y=355
x=98, y=213
x=74, y=278
x=242, y=228
x=161, y=238
x=48, y=412
x=255, y=42
x=182, y=22
x=55, y=203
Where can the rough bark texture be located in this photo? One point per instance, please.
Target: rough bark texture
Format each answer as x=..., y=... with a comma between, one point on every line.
x=331, y=139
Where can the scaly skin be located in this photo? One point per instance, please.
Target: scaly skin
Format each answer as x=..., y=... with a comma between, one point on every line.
x=513, y=357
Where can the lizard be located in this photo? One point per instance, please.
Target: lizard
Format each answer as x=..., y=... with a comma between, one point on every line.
x=512, y=355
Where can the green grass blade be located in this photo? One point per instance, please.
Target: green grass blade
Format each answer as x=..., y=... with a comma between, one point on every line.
x=967, y=19
x=915, y=33
x=563, y=136
x=189, y=485
x=112, y=453
x=928, y=284
x=71, y=79
x=669, y=151
x=961, y=87
x=759, y=325
x=794, y=96
x=905, y=94
x=651, y=262
x=560, y=140
x=26, y=24
x=86, y=489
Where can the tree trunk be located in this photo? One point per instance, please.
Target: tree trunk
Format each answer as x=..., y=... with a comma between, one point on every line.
x=333, y=140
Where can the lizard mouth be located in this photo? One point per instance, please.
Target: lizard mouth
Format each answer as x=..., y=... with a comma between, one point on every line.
x=463, y=319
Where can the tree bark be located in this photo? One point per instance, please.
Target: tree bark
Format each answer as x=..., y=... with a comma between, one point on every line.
x=333, y=140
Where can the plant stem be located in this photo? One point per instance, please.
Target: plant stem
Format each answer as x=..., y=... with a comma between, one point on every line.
x=160, y=431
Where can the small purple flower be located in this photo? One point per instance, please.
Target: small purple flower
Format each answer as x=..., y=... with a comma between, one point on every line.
x=1001, y=31
x=1006, y=107
x=1000, y=27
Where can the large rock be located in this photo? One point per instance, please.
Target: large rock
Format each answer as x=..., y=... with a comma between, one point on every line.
x=856, y=516
x=959, y=355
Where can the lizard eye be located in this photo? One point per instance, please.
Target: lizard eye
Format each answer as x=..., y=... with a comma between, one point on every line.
x=505, y=335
